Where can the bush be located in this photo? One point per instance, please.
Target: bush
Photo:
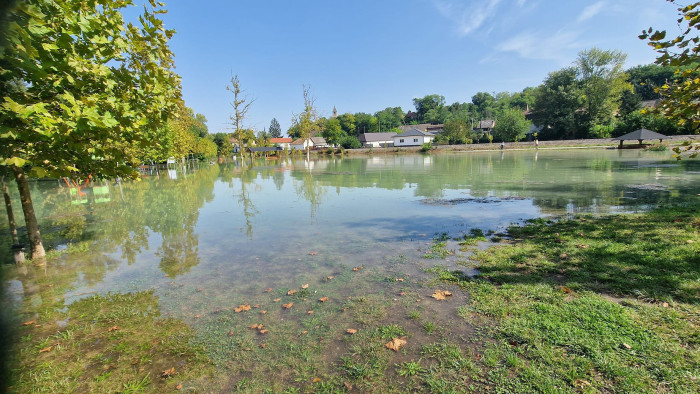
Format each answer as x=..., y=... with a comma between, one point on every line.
x=426, y=147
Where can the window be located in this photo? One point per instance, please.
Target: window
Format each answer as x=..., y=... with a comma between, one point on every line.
x=401, y=140
x=415, y=140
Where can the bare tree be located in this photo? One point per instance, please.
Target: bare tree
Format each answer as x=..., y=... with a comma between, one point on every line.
x=306, y=120
x=241, y=104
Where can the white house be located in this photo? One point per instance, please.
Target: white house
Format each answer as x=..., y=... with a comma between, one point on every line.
x=413, y=137
x=312, y=143
x=376, y=140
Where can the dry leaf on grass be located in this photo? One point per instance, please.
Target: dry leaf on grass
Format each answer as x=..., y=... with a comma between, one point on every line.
x=358, y=268
x=396, y=343
x=29, y=323
x=330, y=277
x=287, y=306
x=269, y=289
x=178, y=387
x=230, y=333
x=263, y=312
x=305, y=286
x=46, y=349
x=263, y=331
x=113, y=328
x=291, y=292
x=241, y=308
x=168, y=373
x=351, y=331
x=276, y=300
x=310, y=312
x=256, y=326
x=323, y=299
x=440, y=294
x=317, y=379
x=313, y=253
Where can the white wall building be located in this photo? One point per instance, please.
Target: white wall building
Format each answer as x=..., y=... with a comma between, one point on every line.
x=413, y=137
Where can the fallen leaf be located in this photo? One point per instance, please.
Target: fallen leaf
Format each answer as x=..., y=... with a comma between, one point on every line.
x=396, y=343
x=256, y=326
x=348, y=386
x=304, y=332
x=136, y=361
x=305, y=286
x=330, y=277
x=263, y=331
x=262, y=345
x=317, y=379
x=46, y=349
x=563, y=256
x=200, y=290
x=113, y=328
x=478, y=356
x=566, y=289
x=583, y=246
x=287, y=306
x=323, y=299
x=665, y=304
x=263, y=312
x=440, y=294
x=351, y=331
x=626, y=346
x=313, y=253
x=29, y=323
x=291, y=292
x=269, y=289
x=358, y=268
x=230, y=333
x=399, y=279
x=178, y=387
x=197, y=316
x=403, y=293
x=310, y=312
x=168, y=373
x=276, y=300
x=241, y=308
x=256, y=306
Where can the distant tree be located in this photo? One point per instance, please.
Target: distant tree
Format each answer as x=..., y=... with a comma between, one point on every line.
x=647, y=79
x=455, y=131
x=602, y=79
x=223, y=143
x=275, y=129
x=304, y=122
x=484, y=103
x=680, y=99
x=347, y=123
x=511, y=125
x=629, y=102
x=240, y=105
x=389, y=118
x=350, y=142
x=332, y=132
x=263, y=138
x=366, y=123
x=557, y=106
x=430, y=102
x=199, y=125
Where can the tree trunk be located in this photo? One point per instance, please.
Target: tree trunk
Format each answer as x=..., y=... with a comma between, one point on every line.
x=10, y=214
x=36, y=246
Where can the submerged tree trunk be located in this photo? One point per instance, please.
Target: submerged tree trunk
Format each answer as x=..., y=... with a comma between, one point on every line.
x=10, y=214
x=36, y=246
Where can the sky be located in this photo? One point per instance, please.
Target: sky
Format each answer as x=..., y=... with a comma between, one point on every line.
x=367, y=55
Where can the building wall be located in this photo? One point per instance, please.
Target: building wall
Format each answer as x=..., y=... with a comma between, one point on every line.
x=412, y=140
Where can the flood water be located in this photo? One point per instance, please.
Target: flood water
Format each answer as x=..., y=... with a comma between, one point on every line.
x=212, y=237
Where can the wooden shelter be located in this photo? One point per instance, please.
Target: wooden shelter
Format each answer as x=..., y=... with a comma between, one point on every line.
x=265, y=150
x=640, y=135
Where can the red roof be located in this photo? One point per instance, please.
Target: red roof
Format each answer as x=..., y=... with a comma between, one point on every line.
x=280, y=140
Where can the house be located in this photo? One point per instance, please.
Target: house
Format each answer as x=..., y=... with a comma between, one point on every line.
x=284, y=143
x=413, y=137
x=376, y=140
x=311, y=143
x=485, y=126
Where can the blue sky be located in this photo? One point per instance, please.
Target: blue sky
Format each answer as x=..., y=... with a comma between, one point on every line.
x=364, y=56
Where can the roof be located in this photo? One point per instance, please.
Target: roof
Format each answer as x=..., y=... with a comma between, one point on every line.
x=642, y=134
x=265, y=149
x=280, y=140
x=376, y=137
x=298, y=141
x=414, y=132
x=486, y=124
x=318, y=140
x=650, y=103
x=423, y=127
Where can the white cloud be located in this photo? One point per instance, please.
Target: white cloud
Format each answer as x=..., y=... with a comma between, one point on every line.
x=590, y=11
x=469, y=17
x=557, y=46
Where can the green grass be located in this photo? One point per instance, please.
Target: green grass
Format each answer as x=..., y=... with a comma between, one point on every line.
x=591, y=304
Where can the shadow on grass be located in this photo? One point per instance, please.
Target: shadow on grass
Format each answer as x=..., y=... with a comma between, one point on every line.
x=652, y=256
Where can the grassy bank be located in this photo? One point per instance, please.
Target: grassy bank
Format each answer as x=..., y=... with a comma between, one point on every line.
x=591, y=304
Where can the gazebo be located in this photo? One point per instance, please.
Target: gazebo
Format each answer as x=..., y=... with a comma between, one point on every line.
x=640, y=135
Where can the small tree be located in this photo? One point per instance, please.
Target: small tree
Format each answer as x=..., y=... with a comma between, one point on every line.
x=275, y=129
x=511, y=126
x=305, y=121
x=241, y=105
